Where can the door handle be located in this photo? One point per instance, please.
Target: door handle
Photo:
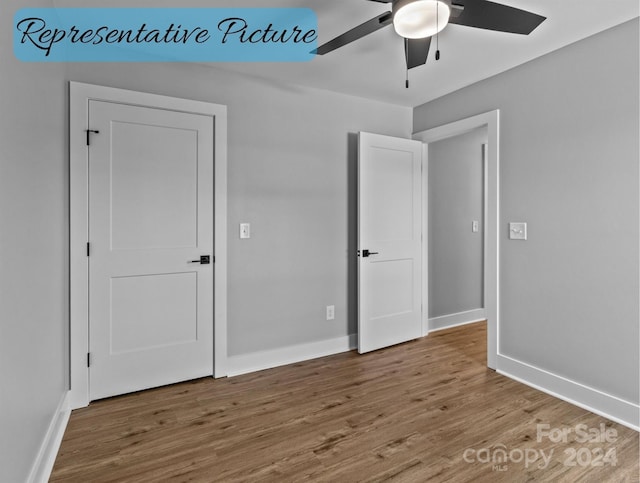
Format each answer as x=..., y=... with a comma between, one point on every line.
x=204, y=260
x=366, y=253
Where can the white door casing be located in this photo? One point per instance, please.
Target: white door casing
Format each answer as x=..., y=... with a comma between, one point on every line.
x=82, y=96
x=390, y=229
x=150, y=216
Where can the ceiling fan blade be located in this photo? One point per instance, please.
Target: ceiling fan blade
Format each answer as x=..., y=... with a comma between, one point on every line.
x=495, y=16
x=417, y=51
x=381, y=1
x=356, y=33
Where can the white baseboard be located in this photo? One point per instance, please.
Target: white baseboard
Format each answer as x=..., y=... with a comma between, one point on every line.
x=598, y=402
x=454, y=320
x=258, y=361
x=42, y=466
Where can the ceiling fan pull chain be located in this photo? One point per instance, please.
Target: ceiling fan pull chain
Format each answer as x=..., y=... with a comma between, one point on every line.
x=437, y=32
x=406, y=58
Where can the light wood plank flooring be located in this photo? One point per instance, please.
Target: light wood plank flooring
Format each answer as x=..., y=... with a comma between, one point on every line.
x=427, y=410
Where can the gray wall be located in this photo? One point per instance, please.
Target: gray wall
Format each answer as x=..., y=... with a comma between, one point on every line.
x=569, y=167
x=291, y=175
x=456, y=198
x=33, y=251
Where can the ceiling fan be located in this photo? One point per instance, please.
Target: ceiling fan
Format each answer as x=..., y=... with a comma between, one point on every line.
x=418, y=20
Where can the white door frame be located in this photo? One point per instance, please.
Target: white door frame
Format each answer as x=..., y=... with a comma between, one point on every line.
x=80, y=95
x=492, y=210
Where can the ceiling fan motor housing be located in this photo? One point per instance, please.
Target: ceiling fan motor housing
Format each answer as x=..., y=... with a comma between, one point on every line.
x=417, y=19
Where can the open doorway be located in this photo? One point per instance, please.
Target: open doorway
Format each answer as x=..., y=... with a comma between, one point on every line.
x=456, y=237
x=489, y=122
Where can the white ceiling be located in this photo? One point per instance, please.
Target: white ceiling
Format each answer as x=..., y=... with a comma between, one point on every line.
x=374, y=67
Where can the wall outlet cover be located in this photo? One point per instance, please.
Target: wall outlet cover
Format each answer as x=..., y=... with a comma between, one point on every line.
x=331, y=312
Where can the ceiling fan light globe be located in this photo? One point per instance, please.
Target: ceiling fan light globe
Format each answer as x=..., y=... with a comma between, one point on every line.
x=417, y=19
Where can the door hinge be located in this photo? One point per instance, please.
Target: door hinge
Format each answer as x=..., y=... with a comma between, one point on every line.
x=88, y=248
x=89, y=131
x=88, y=359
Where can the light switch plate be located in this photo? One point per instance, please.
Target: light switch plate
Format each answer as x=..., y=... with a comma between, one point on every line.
x=517, y=231
x=245, y=230
x=475, y=226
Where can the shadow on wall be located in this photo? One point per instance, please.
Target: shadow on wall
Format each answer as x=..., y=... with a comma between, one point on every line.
x=352, y=232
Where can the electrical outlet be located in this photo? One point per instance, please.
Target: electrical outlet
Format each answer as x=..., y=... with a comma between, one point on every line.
x=331, y=312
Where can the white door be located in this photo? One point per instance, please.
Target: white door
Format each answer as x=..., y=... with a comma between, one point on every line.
x=389, y=241
x=150, y=221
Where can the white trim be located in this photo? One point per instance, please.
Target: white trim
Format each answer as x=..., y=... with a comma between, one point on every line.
x=454, y=320
x=598, y=402
x=80, y=95
x=258, y=361
x=492, y=179
x=485, y=214
x=425, y=239
x=220, y=244
x=43, y=464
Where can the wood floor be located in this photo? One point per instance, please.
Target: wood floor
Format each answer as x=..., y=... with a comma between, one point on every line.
x=427, y=410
